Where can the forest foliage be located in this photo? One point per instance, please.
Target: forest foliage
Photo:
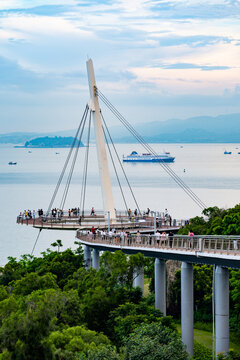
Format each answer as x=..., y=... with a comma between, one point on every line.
x=51, y=307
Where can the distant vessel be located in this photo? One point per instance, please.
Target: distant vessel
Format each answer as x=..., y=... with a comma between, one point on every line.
x=29, y=152
x=148, y=157
x=227, y=152
x=12, y=163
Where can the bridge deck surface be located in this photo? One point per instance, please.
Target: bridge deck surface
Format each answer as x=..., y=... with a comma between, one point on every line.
x=72, y=223
x=218, y=251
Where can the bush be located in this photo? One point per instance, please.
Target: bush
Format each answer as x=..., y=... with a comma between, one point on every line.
x=201, y=352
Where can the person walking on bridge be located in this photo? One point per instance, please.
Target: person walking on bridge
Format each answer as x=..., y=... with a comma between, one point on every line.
x=157, y=237
x=190, y=239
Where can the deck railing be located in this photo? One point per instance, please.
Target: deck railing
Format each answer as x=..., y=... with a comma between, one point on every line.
x=98, y=221
x=210, y=244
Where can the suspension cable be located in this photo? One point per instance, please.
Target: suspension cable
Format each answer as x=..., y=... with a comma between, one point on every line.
x=66, y=163
x=148, y=148
x=125, y=175
x=36, y=241
x=173, y=175
x=84, y=182
x=114, y=166
x=72, y=166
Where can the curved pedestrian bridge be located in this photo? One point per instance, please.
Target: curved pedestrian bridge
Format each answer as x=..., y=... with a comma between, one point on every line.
x=204, y=249
x=74, y=221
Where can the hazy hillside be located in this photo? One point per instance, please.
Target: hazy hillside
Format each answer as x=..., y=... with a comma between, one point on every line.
x=222, y=128
x=51, y=142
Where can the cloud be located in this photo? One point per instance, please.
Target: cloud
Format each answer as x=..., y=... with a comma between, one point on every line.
x=150, y=49
x=45, y=10
x=194, y=66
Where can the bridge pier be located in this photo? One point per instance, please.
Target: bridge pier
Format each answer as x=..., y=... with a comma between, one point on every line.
x=87, y=257
x=222, y=309
x=95, y=259
x=187, y=305
x=160, y=285
x=138, y=278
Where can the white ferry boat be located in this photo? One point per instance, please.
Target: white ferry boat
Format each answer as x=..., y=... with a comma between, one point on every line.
x=148, y=157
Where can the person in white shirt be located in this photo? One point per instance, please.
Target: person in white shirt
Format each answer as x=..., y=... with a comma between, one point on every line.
x=110, y=235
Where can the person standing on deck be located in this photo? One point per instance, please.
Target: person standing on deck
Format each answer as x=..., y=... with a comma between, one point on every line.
x=157, y=236
x=164, y=237
x=138, y=238
x=190, y=240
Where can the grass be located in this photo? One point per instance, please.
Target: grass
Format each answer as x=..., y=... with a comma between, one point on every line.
x=146, y=287
x=205, y=337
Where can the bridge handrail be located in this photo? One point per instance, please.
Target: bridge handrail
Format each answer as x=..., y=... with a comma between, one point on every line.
x=133, y=222
x=209, y=244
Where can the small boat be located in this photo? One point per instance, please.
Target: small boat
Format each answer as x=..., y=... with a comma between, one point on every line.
x=147, y=157
x=57, y=153
x=29, y=152
x=238, y=152
x=227, y=152
x=12, y=163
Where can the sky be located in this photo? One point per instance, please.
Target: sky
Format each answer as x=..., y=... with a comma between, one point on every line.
x=153, y=59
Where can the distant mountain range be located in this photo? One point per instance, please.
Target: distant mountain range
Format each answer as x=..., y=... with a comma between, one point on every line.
x=201, y=129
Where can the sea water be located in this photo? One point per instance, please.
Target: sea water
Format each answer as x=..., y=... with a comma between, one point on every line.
x=213, y=176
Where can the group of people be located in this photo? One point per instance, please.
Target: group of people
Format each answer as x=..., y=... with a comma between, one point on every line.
x=112, y=235
x=57, y=213
x=30, y=214
x=125, y=237
x=74, y=212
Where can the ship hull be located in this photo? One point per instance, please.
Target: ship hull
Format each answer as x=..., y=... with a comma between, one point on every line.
x=167, y=160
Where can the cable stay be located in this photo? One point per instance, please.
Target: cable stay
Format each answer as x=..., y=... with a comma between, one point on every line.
x=66, y=162
x=73, y=154
x=147, y=147
x=120, y=163
x=73, y=165
x=36, y=241
x=114, y=166
x=84, y=179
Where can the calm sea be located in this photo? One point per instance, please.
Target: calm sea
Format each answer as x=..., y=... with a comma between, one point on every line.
x=213, y=176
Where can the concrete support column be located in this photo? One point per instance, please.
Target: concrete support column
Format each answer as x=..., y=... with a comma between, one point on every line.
x=87, y=256
x=222, y=309
x=187, y=305
x=138, y=278
x=160, y=285
x=95, y=259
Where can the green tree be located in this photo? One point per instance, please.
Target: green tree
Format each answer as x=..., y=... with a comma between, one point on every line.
x=125, y=318
x=154, y=341
x=32, y=281
x=71, y=342
x=57, y=243
x=33, y=318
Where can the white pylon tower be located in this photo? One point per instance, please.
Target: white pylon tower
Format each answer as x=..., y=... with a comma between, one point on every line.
x=107, y=195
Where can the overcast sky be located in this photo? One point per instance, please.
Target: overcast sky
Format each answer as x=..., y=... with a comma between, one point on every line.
x=153, y=59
